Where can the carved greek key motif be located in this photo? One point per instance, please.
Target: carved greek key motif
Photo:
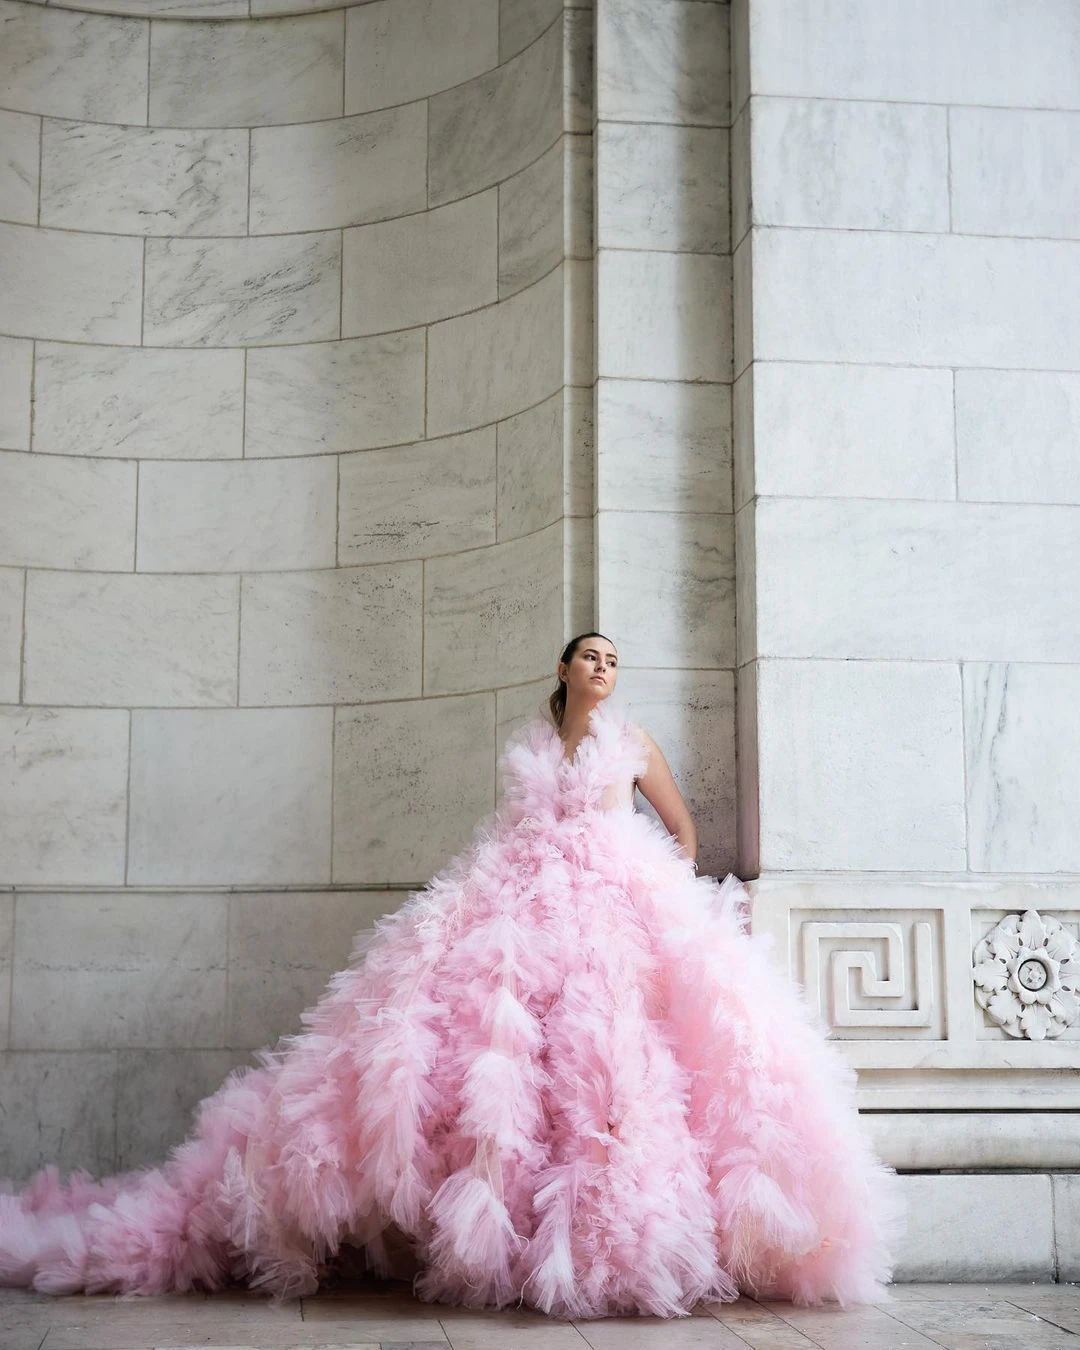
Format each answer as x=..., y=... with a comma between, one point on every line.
x=871, y=967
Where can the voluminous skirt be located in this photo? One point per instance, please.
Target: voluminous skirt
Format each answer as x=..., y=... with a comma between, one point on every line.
x=563, y=1074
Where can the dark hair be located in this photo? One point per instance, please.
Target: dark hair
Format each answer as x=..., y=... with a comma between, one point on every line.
x=557, y=699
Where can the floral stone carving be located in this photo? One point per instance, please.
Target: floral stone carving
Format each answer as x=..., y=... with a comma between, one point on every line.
x=1027, y=976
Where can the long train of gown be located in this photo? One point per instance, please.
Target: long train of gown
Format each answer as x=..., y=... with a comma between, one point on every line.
x=563, y=1073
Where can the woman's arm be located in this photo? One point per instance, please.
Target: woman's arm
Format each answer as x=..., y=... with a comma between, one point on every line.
x=660, y=790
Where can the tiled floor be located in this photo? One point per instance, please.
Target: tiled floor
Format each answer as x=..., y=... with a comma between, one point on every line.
x=953, y=1316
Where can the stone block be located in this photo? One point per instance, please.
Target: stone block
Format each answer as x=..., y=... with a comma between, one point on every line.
x=275, y=290
x=530, y=460
x=411, y=782
x=663, y=446
x=63, y=796
x=663, y=187
x=103, y=60
x=1066, y=1189
x=399, y=50
x=246, y=516
x=920, y=581
x=424, y=267
x=657, y=316
x=12, y=582
x=143, y=180
x=16, y=366
x=66, y=513
x=667, y=587
x=849, y=166
x=68, y=286
x=532, y=218
x=917, y=51
x=1016, y=434
x=138, y=402
x=495, y=362
x=1014, y=171
x=490, y=127
x=336, y=636
x=881, y=297
x=521, y=22
x=156, y=1095
x=861, y=766
x=1022, y=738
x=215, y=75
x=283, y=948
x=973, y=1228
x=101, y=971
x=663, y=63
x=58, y=1108
x=117, y=640
x=230, y=796
x=335, y=396
x=852, y=431
x=414, y=501
x=499, y=607
x=20, y=135
x=341, y=171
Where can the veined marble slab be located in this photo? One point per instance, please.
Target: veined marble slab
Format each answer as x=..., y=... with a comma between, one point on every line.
x=506, y=600
x=531, y=455
x=336, y=396
x=399, y=50
x=130, y=639
x=421, y=268
x=63, y=795
x=16, y=373
x=247, y=74
x=1022, y=739
x=65, y=64
x=663, y=446
x=235, y=796
x=118, y=970
x=663, y=63
x=667, y=587
x=657, y=315
x=411, y=780
x=143, y=180
x=521, y=22
x=67, y=286
x=497, y=361
x=342, y=171
x=67, y=513
x=20, y=136
x=662, y=187
x=413, y=501
x=490, y=127
x=141, y=402
x=347, y=635
x=237, y=292
x=12, y=581
x=244, y=516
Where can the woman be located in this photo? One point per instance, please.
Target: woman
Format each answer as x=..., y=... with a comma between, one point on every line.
x=561, y=1075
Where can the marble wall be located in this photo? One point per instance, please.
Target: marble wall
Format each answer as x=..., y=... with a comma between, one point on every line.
x=906, y=413
x=665, y=529
x=296, y=503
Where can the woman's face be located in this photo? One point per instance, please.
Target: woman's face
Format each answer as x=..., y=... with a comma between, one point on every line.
x=592, y=670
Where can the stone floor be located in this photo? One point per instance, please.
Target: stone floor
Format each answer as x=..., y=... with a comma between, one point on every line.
x=954, y=1316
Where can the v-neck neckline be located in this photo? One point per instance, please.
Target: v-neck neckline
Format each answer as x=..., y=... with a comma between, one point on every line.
x=590, y=735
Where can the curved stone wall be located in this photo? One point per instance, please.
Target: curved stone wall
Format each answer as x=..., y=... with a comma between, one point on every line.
x=295, y=496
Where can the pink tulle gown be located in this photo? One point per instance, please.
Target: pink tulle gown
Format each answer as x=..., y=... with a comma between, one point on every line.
x=562, y=1074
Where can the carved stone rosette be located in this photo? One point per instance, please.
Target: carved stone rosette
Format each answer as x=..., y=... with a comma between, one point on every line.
x=1027, y=976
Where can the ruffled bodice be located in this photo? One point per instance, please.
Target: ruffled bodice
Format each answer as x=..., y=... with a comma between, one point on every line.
x=542, y=784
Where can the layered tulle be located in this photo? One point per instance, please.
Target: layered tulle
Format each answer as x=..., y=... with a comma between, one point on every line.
x=561, y=1074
